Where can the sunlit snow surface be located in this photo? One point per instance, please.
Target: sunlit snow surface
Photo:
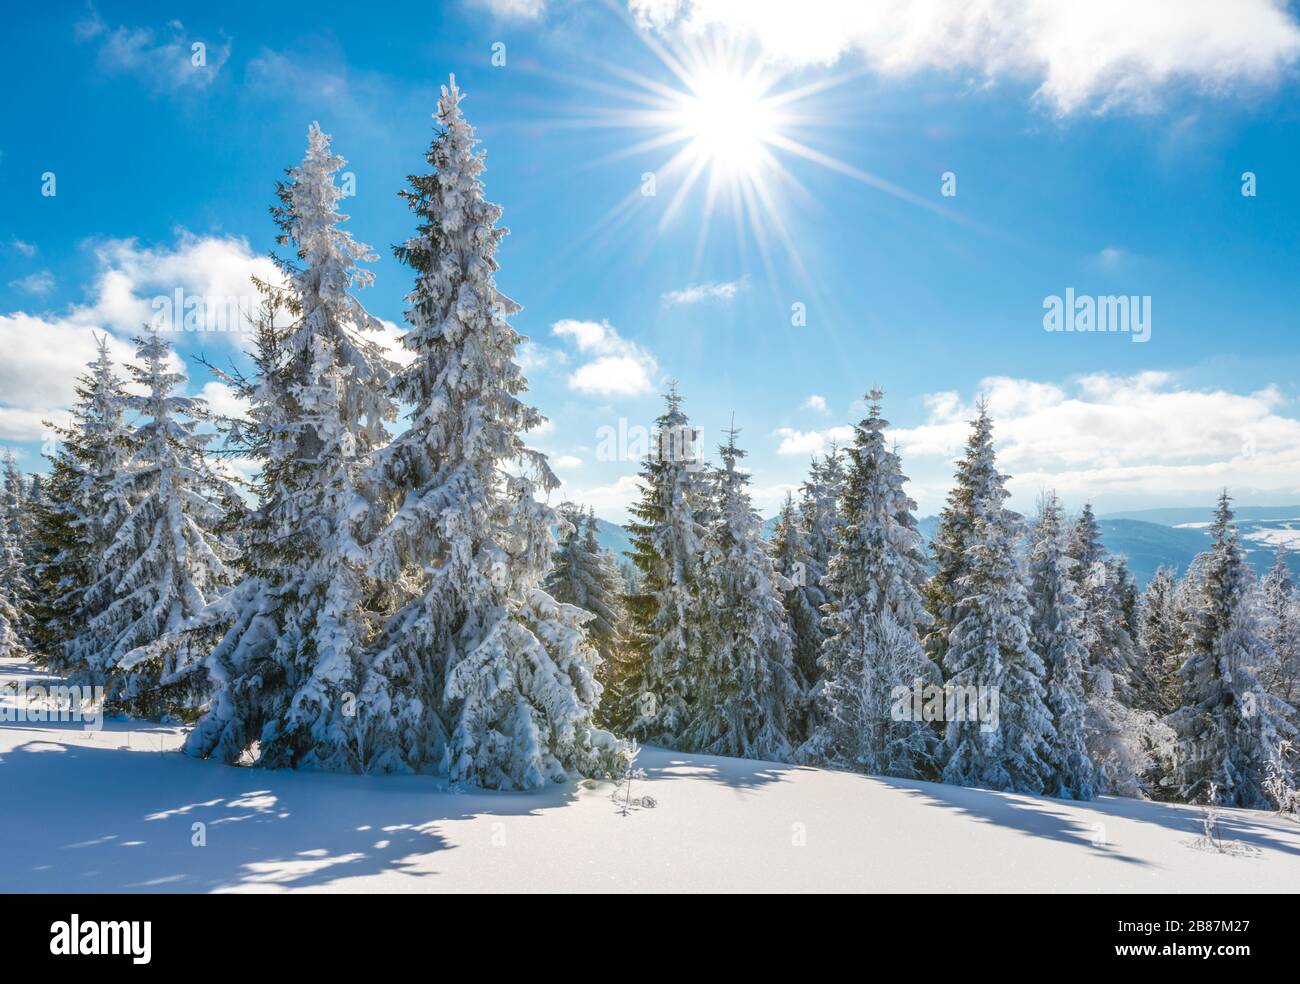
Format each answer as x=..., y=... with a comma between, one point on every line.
x=115, y=810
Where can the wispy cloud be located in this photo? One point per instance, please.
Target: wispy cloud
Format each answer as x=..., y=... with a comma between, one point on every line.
x=724, y=291
x=169, y=61
x=817, y=403
x=39, y=283
x=524, y=10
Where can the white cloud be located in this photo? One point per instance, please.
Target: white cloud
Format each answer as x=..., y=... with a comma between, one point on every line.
x=1111, y=258
x=1100, y=55
x=223, y=400
x=513, y=9
x=609, y=501
x=1114, y=438
x=817, y=403
x=166, y=64
x=703, y=292
x=811, y=442
x=43, y=357
x=533, y=357
x=38, y=283
x=616, y=366
x=27, y=249
x=566, y=462
x=45, y=353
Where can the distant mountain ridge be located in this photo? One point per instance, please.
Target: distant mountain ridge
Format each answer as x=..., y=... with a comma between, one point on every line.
x=1147, y=538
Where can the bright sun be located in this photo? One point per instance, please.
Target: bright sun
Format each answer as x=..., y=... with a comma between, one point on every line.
x=727, y=120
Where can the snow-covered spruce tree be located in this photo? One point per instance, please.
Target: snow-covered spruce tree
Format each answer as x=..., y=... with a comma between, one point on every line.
x=294, y=626
x=15, y=584
x=1056, y=632
x=585, y=575
x=85, y=504
x=989, y=650
x=872, y=660
x=669, y=617
x=1160, y=636
x=743, y=692
x=1229, y=727
x=164, y=562
x=1279, y=609
x=792, y=553
x=1104, y=592
x=478, y=670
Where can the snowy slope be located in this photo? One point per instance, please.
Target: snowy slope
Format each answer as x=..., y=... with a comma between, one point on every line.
x=111, y=812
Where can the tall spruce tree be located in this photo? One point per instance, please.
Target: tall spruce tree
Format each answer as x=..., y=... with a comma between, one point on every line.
x=669, y=617
x=743, y=693
x=15, y=583
x=792, y=554
x=586, y=575
x=287, y=663
x=165, y=561
x=1280, y=612
x=1056, y=633
x=1160, y=636
x=1230, y=727
x=988, y=650
x=82, y=510
x=478, y=670
x=873, y=660
x=1105, y=594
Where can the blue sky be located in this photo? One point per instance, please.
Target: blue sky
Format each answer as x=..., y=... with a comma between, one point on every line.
x=1087, y=157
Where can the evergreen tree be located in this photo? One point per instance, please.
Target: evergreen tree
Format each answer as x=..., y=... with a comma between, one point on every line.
x=478, y=670
x=15, y=586
x=669, y=616
x=1056, y=631
x=287, y=663
x=792, y=554
x=983, y=596
x=1230, y=727
x=1161, y=638
x=165, y=562
x=586, y=576
x=873, y=659
x=743, y=693
x=1280, y=617
x=1105, y=593
x=84, y=508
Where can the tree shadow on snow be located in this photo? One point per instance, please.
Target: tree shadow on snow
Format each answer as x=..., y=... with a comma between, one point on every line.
x=87, y=818
x=661, y=764
x=1040, y=817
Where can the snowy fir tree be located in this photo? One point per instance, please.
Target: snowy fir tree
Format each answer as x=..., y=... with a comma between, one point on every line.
x=478, y=670
x=743, y=692
x=164, y=562
x=1056, y=633
x=989, y=649
x=1160, y=636
x=872, y=660
x=287, y=661
x=586, y=575
x=1229, y=727
x=669, y=617
x=85, y=504
x=1279, y=612
x=1105, y=593
x=793, y=556
x=15, y=584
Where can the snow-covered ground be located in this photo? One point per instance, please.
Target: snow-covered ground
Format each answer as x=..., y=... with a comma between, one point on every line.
x=115, y=810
